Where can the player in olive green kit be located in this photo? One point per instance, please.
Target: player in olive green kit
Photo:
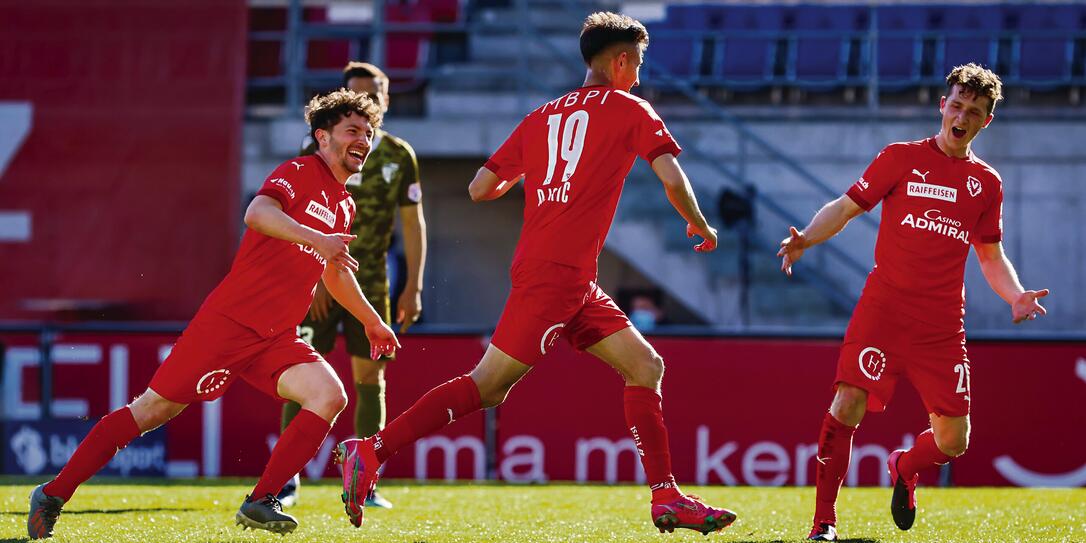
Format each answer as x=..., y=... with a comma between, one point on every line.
x=389, y=182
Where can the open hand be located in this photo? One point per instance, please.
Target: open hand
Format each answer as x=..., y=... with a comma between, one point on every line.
x=708, y=234
x=382, y=340
x=1026, y=306
x=792, y=248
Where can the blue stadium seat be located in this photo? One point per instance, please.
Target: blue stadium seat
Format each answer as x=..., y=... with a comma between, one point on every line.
x=1046, y=46
x=900, y=45
x=827, y=40
x=750, y=48
x=970, y=34
x=670, y=51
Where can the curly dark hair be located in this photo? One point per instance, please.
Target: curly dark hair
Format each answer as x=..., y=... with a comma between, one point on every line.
x=979, y=80
x=326, y=110
x=604, y=29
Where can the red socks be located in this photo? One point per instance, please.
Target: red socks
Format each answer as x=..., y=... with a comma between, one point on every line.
x=645, y=417
x=296, y=446
x=834, y=453
x=925, y=453
x=432, y=412
x=110, y=435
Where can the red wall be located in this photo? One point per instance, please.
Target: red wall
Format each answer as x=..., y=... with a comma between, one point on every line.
x=129, y=169
x=752, y=407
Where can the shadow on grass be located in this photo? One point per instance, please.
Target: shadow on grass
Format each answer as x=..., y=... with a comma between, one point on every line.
x=860, y=540
x=108, y=512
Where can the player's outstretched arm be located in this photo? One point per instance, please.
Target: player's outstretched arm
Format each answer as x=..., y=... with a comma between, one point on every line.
x=488, y=186
x=829, y=220
x=343, y=286
x=681, y=195
x=1000, y=274
x=265, y=215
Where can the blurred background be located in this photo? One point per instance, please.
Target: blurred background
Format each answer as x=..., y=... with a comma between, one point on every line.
x=134, y=133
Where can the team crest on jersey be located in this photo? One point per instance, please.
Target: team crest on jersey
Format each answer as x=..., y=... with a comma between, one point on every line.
x=389, y=170
x=321, y=213
x=973, y=184
x=346, y=204
x=550, y=337
x=872, y=363
x=414, y=192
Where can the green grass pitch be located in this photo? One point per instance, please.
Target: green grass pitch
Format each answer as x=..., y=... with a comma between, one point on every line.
x=148, y=511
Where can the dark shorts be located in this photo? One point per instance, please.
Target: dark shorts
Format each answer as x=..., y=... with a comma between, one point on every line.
x=322, y=334
x=214, y=351
x=881, y=346
x=549, y=301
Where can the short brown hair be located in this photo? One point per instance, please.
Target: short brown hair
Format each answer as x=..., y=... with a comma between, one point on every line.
x=326, y=110
x=364, y=69
x=979, y=80
x=604, y=29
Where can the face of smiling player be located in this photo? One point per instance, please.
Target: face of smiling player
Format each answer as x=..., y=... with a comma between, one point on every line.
x=347, y=145
x=965, y=114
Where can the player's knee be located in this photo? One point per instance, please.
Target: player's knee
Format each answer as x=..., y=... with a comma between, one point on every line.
x=953, y=445
x=849, y=404
x=649, y=372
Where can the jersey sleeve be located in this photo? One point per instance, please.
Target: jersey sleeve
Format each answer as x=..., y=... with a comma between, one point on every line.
x=878, y=180
x=284, y=184
x=650, y=138
x=508, y=161
x=990, y=224
x=410, y=187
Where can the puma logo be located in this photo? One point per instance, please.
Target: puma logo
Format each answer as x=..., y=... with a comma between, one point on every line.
x=298, y=165
x=923, y=176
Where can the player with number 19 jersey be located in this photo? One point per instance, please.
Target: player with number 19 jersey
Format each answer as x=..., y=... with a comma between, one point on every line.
x=575, y=153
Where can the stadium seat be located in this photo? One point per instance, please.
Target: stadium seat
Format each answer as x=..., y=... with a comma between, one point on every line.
x=671, y=51
x=828, y=42
x=900, y=45
x=969, y=34
x=1045, y=45
x=750, y=48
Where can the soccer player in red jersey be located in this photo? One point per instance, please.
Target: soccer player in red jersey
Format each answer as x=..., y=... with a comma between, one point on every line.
x=298, y=234
x=574, y=153
x=938, y=199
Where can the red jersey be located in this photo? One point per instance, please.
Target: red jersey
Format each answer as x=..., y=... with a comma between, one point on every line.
x=271, y=282
x=575, y=153
x=933, y=207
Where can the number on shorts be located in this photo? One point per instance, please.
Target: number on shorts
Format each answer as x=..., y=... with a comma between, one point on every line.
x=306, y=333
x=569, y=145
x=963, y=377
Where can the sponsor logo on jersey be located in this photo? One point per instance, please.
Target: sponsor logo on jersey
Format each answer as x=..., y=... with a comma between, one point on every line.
x=863, y=184
x=550, y=337
x=321, y=213
x=414, y=192
x=660, y=132
x=297, y=165
x=973, y=184
x=872, y=363
x=933, y=221
x=935, y=192
x=212, y=381
x=923, y=176
x=389, y=170
x=313, y=253
x=279, y=181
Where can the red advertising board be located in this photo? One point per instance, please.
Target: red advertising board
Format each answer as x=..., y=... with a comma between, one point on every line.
x=120, y=154
x=739, y=411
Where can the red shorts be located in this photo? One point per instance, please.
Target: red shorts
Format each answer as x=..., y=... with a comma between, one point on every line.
x=881, y=345
x=214, y=350
x=548, y=301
